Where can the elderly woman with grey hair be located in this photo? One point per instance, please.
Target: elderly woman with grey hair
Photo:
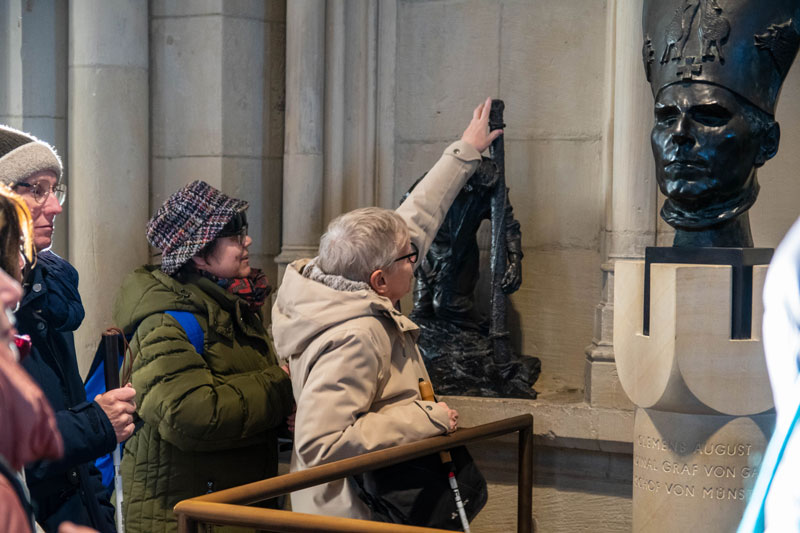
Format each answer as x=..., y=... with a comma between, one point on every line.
x=353, y=357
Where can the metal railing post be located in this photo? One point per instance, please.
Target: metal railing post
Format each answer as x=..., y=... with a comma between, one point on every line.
x=186, y=524
x=525, y=481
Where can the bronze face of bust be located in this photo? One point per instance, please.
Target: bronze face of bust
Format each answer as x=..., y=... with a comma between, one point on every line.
x=707, y=143
x=716, y=69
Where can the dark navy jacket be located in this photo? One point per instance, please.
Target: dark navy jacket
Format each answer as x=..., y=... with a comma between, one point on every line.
x=70, y=488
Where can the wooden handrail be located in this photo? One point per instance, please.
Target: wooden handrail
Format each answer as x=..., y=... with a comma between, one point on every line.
x=229, y=506
x=286, y=521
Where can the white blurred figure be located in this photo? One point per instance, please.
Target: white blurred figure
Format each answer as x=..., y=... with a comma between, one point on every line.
x=781, y=329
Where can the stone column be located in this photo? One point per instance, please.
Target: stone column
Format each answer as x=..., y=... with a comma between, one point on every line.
x=108, y=153
x=340, y=78
x=631, y=208
x=217, y=89
x=385, y=98
x=304, y=126
x=350, y=106
x=33, y=78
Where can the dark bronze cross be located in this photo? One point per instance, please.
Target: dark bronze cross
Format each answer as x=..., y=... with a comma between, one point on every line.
x=689, y=68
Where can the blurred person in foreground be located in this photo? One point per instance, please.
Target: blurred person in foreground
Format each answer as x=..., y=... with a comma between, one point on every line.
x=28, y=430
x=781, y=330
x=211, y=407
x=354, y=362
x=69, y=488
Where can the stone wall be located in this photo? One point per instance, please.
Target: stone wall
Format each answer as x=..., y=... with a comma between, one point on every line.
x=33, y=78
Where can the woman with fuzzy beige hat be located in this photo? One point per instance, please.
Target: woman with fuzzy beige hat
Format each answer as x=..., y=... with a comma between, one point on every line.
x=51, y=309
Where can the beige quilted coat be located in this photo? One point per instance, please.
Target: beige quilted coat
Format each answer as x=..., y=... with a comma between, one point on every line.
x=354, y=362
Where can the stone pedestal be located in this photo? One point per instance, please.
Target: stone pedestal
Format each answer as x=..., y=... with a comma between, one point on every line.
x=703, y=419
x=581, y=464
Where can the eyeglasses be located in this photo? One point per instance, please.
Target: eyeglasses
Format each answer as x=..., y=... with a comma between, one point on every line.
x=42, y=189
x=412, y=257
x=240, y=234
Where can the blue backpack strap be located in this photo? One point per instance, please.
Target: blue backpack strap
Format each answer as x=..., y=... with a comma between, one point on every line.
x=95, y=381
x=192, y=328
x=96, y=384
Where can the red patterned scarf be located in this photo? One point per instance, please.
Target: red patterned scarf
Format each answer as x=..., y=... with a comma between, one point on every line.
x=253, y=289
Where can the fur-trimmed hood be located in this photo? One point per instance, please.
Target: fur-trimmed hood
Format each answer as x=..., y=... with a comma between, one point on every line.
x=313, y=272
x=311, y=301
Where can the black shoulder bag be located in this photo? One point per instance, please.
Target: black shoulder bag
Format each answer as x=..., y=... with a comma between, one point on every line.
x=417, y=492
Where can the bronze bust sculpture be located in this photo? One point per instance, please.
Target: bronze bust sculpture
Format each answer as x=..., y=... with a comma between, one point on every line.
x=716, y=68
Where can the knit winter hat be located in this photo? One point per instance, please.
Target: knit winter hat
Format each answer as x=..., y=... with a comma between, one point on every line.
x=188, y=221
x=22, y=155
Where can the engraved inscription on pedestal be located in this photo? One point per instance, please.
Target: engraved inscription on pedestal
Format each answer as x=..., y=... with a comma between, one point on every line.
x=700, y=475
x=713, y=471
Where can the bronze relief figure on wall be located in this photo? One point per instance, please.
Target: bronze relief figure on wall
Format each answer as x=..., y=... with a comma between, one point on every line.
x=468, y=350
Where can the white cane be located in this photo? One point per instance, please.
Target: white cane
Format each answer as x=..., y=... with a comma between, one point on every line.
x=118, y=491
x=426, y=392
x=112, y=382
x=459, y=503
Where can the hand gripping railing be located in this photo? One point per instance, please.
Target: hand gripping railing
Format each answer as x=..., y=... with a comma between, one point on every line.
x=230, y=507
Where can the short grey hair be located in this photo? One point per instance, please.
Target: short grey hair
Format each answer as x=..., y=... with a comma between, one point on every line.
x=362, y=241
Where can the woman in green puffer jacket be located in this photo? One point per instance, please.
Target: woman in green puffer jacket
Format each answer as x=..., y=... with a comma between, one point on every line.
x=210, y=418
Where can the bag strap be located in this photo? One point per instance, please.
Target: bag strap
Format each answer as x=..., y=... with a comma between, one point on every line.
x=192, y=328
x=185, y=319
x=753, y=518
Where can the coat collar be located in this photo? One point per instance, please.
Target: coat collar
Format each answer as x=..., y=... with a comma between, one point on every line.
x=202, y=295
x=310, y=269
x=53, y=285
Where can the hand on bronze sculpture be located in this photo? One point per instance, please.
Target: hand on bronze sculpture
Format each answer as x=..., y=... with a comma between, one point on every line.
x=458, y=341
x=477, y=133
